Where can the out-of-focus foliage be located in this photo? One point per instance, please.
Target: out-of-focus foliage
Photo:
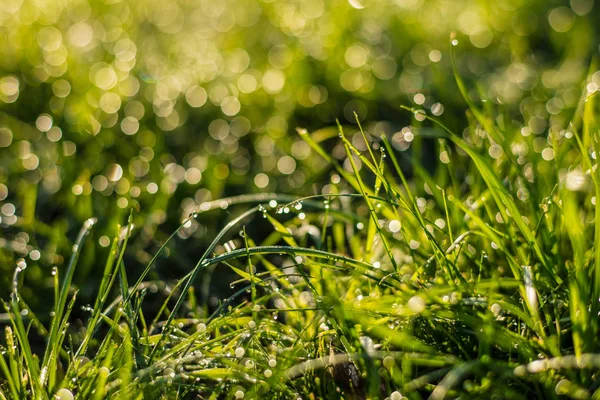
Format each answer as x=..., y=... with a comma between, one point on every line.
x=164, y=105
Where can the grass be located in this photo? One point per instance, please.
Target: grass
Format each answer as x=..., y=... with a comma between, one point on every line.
x=476, y=280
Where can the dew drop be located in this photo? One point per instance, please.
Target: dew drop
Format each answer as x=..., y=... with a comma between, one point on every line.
x=416, y=304
x=64, y=394
x=388, y=362
x=239, y=352
x=21, y=264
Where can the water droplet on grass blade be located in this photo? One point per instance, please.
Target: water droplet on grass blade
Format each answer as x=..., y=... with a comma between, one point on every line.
x=21, y=266
x=389, y=362
x=396, y=396
x=239, y=352
x=416, y=304
x=63, y=394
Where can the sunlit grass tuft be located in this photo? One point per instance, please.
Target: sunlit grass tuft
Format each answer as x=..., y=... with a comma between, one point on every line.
x=478, y=278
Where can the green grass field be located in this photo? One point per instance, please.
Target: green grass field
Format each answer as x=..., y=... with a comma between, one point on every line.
x=299, y=200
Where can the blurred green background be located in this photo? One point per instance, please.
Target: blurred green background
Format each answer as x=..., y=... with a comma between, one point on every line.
x=162, y=106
